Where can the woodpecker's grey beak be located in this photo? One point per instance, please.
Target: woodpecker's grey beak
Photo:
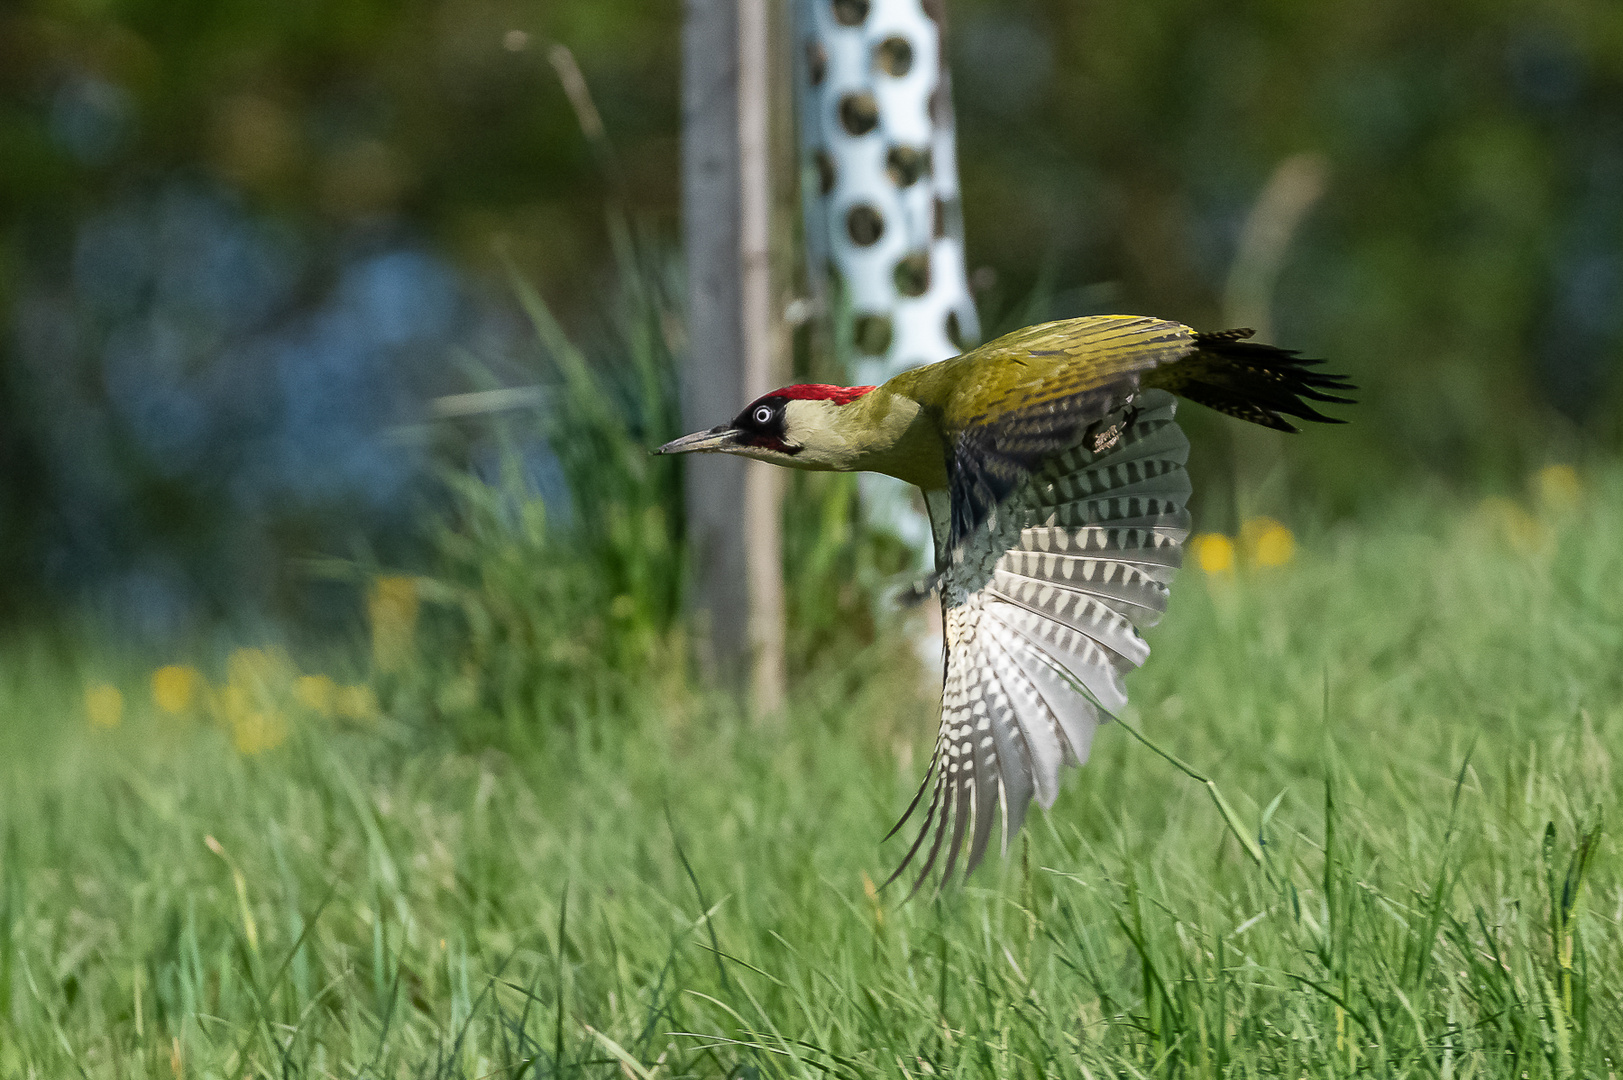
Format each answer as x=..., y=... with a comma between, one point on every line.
x=717, y=438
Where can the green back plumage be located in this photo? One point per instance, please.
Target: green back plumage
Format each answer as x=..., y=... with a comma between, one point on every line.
x=1042, y=366
x=997, y=412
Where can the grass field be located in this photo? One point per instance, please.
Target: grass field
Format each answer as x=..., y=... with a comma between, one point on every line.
x=1417, y=715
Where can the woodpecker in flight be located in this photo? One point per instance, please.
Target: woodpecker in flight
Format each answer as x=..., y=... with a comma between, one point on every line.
x=1054, y=477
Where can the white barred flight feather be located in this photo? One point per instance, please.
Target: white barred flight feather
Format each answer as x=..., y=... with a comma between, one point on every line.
x=1044, y=602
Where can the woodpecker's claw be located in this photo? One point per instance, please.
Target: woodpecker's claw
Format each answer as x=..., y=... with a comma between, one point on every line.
x=717, y=438
x=1107, y=432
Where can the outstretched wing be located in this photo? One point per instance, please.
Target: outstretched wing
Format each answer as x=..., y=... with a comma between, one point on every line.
x=1044, y=597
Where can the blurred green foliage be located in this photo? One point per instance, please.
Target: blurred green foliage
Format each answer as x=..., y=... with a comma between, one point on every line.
x=551, y=612
x=445, y=114
x=564, y=614
x=1464, y=263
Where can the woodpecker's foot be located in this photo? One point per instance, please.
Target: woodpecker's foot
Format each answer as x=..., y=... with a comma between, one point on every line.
x=1108, y=432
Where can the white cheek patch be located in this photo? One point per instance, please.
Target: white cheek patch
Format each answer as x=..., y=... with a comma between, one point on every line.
x=814, y=426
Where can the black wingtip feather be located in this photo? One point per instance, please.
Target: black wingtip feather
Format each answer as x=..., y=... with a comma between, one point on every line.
x=960, y=825
x=924, y=830
x=940, y=827
x=914, y=805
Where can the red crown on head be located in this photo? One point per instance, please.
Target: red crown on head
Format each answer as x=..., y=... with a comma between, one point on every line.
x=839, y=395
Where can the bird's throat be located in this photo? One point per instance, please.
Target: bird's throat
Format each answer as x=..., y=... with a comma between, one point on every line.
x=899, y=438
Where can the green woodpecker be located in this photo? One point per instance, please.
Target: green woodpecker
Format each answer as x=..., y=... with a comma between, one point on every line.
x=1054, y=477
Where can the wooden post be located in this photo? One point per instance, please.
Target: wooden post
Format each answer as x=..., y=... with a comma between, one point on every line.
x=734, y=524
x=762, y=483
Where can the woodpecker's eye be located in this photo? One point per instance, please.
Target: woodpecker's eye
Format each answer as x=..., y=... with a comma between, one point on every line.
x=762, y=424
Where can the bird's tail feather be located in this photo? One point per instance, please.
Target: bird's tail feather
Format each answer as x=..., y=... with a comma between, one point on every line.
x=1251, y=381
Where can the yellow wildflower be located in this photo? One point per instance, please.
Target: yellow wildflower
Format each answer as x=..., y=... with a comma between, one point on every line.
x=318, y=693
x=252, y=704
x=357, y=703
x=1267, y=542
x=391, y=608
x=175, y=687
x=1559, y=487
x=259, y=730
x=104, y=705
x=872, y=893
x=1214, y=553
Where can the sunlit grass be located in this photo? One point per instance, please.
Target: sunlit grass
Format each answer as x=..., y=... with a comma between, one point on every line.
x=1418, y=715
x=104, y=706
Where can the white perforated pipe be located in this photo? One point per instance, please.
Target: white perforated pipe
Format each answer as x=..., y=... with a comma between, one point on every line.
x=880, y=164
